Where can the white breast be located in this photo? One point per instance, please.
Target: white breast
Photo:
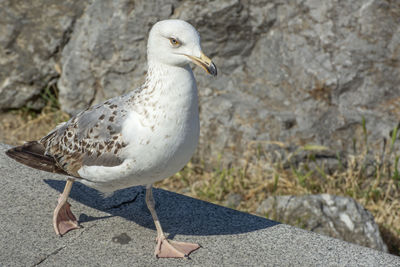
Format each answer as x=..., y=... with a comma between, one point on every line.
x=161, y=130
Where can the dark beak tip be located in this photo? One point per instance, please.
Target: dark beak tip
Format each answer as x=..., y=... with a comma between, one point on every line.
x=213, y=70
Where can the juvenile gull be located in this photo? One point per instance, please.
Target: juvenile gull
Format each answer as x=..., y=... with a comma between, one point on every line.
x=135, y=139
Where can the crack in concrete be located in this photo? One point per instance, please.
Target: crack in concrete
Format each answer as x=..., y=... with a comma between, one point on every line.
x=55, y=252
x=49, y=255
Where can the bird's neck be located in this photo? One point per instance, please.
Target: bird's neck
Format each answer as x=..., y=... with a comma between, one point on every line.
x=169, y=92
x=161, y=71
x=174, y=81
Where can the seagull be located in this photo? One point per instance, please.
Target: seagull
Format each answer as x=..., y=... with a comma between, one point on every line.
x=138, y=138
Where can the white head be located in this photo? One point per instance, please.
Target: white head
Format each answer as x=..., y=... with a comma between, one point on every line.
x=177, y=43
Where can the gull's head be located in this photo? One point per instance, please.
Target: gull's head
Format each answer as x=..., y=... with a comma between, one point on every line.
x=177, y=43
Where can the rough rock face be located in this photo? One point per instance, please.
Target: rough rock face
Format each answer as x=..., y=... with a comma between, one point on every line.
x=292, y=71
x=31, y=35
x=106, y=55
x=339, y=217
x=296, y=72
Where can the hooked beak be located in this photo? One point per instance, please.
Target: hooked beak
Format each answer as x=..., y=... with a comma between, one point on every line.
x=205, y=63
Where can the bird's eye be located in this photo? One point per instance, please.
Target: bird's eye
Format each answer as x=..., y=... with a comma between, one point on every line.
x=174, y=42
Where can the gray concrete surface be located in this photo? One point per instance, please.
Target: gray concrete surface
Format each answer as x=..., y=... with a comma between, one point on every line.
x=119, y=231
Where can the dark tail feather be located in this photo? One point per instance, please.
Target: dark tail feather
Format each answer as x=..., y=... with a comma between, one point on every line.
x=33, y=155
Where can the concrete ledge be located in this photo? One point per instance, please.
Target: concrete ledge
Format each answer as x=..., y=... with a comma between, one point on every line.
x=119, y=231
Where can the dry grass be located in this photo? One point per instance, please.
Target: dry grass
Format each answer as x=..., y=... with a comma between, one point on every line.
x=373, y=180
x=379, y=191
x=19, y=126
x=26, y=124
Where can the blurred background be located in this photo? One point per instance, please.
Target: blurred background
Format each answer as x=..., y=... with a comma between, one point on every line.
x=300, y=126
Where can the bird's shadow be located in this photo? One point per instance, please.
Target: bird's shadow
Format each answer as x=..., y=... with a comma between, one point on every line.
x=178, y=214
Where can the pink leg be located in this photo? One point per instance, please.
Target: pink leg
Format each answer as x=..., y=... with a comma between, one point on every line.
x=165, y=248
x=63, y=218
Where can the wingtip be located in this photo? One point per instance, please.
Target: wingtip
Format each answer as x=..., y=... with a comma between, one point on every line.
x=11, y=152
x=33, y=155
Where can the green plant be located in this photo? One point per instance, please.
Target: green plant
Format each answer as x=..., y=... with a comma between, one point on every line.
x=50, y=95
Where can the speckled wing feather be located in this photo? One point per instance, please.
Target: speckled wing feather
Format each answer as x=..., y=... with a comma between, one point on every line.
x=92, y=137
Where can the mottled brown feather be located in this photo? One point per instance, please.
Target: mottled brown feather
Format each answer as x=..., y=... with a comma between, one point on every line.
x=91, y=138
